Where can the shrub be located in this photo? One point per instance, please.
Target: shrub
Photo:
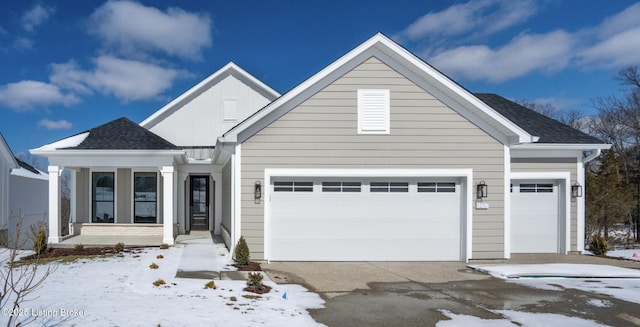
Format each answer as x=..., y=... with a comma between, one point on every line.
x=210, y=284
x=159, y=256
x=241, y=253
x=39, y=238
x=164, y=246
x=119, y=247
x=598, y=245
x=153, y=266
x=255, y=280
x=159, y=282
x=79, y=246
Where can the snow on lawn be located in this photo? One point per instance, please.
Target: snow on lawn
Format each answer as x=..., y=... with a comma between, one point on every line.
x=630, y=254
x=620, y=283
x=514, y=318
x=118, y=291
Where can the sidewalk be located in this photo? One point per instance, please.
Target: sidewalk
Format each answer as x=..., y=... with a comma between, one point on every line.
x=204, y=256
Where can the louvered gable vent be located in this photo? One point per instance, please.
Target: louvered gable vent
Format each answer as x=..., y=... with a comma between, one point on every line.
x=373, y=111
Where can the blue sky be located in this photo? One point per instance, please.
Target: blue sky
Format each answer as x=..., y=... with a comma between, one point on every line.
x=67, y=66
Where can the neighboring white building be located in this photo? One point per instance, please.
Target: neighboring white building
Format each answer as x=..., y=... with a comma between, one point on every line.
x=24, y=199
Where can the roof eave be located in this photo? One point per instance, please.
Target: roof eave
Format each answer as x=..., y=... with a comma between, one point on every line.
x=561, y=146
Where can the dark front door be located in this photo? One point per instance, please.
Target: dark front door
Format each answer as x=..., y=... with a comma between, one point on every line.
x=199, y=202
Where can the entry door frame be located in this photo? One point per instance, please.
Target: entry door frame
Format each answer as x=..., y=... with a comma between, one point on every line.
x=208, y=193
x=563, y=179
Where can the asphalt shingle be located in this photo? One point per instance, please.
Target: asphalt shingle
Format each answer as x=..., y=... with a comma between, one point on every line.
x=123, y=134
x=549, y=130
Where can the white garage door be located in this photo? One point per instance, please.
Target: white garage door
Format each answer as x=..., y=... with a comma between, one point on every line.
x=534, y=217
x=365, y=220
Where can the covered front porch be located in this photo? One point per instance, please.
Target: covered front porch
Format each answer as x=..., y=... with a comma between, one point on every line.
x=121, y=181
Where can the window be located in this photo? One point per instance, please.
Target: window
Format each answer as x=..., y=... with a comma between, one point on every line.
x=102, y=197
x=373, y=112
x=437, y=187
x=393, y=187
x=229, y=111
x=145, y=197
x=352, y=187
x=536, y=188
x=292, y=186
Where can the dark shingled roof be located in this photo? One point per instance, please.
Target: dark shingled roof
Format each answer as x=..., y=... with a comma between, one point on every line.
x=549, y=130
x=123, y=134
x=27, y=166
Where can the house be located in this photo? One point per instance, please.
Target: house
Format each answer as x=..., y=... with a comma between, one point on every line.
x=23, y=197
x=377, y=157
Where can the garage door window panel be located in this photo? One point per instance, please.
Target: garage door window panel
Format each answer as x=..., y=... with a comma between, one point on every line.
x=437, y=187
x=293, y=186
x=345, y=187
x=389, y=187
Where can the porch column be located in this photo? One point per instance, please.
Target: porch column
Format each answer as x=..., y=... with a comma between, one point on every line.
x=54, y=204
x=72, y=200
x=168, y=200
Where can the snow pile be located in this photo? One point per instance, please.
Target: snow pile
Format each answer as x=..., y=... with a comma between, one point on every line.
x=557, y=270
x=118, y=291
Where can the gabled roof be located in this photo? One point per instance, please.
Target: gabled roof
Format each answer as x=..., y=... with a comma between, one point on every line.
x=119, y=134
x=549, y=130
x=229, y=69
x=407, y=64
x=28, y=171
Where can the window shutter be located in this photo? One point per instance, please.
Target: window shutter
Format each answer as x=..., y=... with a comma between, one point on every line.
x=373, y=111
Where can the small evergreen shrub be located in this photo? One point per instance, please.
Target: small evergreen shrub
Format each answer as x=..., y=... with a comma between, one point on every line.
x=79, y=246
x=598, y=245
x=211, y=285
x=153, y=266
x=159, y=282
x=39, y=238
x=164, y=246
x=159, y=256
x=241, y=252
x=119, y=247
x=255, y=280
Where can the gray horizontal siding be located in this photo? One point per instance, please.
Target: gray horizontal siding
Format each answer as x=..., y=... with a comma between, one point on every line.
x=425, y=134
x=553, y=165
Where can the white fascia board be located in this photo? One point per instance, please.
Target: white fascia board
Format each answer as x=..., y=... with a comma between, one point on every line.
x=398, y=53
x=200, y=87
x=560, y=146
x=93, y=153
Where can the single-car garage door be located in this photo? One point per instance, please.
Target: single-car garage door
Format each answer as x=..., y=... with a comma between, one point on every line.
x=357, y=219
x=534, y=217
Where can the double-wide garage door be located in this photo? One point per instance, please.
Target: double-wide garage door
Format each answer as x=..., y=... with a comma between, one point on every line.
x=360, y=219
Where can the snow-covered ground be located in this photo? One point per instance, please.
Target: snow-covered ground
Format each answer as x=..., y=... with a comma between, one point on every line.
x=631, y=254
x=118, y=291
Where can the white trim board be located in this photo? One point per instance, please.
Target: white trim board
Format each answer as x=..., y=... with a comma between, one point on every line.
x=465, y=174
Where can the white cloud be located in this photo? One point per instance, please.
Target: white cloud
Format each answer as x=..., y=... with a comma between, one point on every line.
x=484, y=16
x=24, y=95
x=55, y=124
x=126, y=79
x=134, y=30
x=522, y=55
x=36, y=16
x=617, y=41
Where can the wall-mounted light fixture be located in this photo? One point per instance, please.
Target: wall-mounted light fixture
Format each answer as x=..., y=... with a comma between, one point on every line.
x=576, y=190
x=257, y=192
x=482, y=190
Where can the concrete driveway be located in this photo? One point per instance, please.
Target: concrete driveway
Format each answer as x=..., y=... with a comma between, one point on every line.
x=414, y=293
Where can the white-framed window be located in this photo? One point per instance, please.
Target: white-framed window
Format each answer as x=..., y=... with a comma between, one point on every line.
x=230, y=110
x=389, y=187
x=437, y=187
x=373, y=111
x=536, y=188
x=352, y=187
x=292, y=186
